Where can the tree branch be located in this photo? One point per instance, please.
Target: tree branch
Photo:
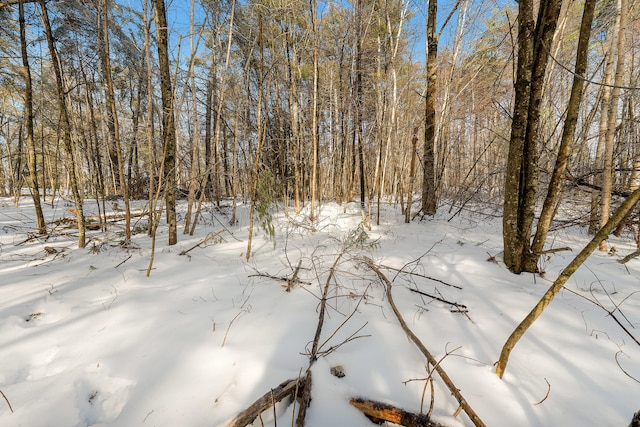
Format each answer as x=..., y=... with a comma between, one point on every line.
x=432, y=360
x=264, y=402
x=379, y=412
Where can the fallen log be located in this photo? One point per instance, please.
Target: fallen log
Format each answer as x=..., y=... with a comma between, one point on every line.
x=378, y=412
x=292, y=387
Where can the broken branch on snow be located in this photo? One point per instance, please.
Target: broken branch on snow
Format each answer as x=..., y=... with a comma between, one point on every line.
x=305, y=397
x=289, y=280
x=441, y=372
x=461, y=307
x=420, y=275
x=379, y=412
x=202, y=242
x=287, y=388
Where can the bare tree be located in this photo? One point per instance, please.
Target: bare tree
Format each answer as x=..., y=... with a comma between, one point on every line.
x=428, y=157
x=566, y=143
x=521, y=181
x=112, y=116
x=610, y=112
x=66, y=125
x=28, y=118
x=168, y=119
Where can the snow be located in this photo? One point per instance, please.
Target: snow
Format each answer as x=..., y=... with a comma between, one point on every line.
x=87, y=339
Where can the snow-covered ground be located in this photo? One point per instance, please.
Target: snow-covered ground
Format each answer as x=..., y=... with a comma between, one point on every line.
x=87, y=339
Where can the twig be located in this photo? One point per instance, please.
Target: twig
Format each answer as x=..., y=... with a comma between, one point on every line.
x=455, y=304
x=294, y=278
x=212, y=236
x=125, y=260
x=305, y=397
x=345, y=321
x=350, y=338
x=548, y=391
x=223, y=226
x=323, y=304
x=290, y=280
x=597, y=303
x=417, y=260
x=6, y=400
x=420, y=275
x=622, y=369
x=445, y=378
x=430, y=378
x=229, y=327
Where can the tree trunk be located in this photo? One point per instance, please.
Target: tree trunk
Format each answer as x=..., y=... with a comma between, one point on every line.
x=259, y=126
x=112, y=118
x=314, y=112
x=150, y=128
x=536, y=312
x=566, y=142
x=195, y=134
x=412, y=173
x=612, y=116
x=66, y=126
x=168, y=120
x=428, y=159
x=522, y=163
x=28, y=117
x=295, y=118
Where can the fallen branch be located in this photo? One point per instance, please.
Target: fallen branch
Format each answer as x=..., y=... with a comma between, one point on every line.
x=289, y=280
x=432, y=360
x=6, y=400
x=379, y=412
x=555, y=250
x=267, y=400
x=97, y=219
x=622, y=369
x=629, y=257
x=546, y=395
x=212, y=236
x=305, y=397
x=609, y=312
x=122, y=262
x=460, y=307
x=294, y=278
x=420, y=275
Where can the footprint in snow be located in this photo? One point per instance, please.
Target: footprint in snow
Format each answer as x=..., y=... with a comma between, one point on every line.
x=99, y=397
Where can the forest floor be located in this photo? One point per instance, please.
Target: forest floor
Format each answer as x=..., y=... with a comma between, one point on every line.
x=87, y=339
